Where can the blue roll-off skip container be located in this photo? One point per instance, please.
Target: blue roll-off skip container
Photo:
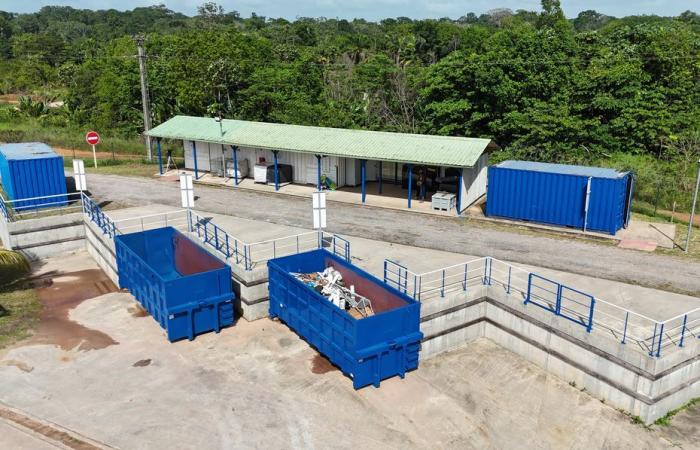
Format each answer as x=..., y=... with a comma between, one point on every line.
x=368, y=349
x=183, y=287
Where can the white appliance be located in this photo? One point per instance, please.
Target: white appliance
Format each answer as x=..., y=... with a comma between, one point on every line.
x=242, y=169
x=260, y=173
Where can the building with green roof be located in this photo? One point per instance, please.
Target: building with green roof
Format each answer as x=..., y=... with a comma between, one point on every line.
x=281, y=153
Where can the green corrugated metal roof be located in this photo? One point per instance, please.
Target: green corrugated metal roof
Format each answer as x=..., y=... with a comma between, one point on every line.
x=361, y=144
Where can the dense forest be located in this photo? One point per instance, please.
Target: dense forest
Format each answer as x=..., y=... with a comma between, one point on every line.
x=622, y=92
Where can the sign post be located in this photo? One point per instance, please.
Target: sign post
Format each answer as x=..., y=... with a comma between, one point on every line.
x=319, y=213
x=79, y=175
x=93, y=139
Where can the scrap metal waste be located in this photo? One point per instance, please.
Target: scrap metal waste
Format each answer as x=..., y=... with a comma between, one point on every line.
x=329, y=283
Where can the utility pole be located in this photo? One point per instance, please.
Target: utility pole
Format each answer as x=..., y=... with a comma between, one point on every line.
x=145, y=97
x=692, y=209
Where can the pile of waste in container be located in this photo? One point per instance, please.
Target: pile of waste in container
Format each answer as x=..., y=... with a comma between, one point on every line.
x=329, y=283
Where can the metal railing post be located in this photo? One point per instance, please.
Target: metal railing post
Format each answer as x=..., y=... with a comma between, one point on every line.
x=624, y=332
x=558, y=304
x=590, y=316
x=653, y=340
x=415, y=285
x=466, y=272
x=685, y=322
x=442, y=289
x=510, y=270
x=228, y=249
x=529, y=288
x=246, y=264
x=661, y=338
x=216, y=237
x=490, y=268
x=385, y=265
x=274, y=249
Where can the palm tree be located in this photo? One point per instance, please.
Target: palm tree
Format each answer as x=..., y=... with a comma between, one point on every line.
x=13, y=265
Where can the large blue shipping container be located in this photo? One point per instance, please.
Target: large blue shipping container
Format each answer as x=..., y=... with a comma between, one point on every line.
x=368, y=349
x=589, y=198
x=186, y=289
x=30, y=170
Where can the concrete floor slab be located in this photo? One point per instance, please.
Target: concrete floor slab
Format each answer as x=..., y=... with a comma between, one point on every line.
x=258, y=385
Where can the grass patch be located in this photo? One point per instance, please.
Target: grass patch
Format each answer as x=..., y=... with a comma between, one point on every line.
x=666, y=420
x=23, y=308
x=17, y=128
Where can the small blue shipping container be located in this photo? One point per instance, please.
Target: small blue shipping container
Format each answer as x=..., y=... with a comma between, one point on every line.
x=30, y=170
x=589, y=198
x=367, y=349
x=186, y=289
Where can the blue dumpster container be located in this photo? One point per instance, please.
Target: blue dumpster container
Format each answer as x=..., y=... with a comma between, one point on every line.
x=587, y=198
x=29, y=170
x=368, y=349
x=185, y=288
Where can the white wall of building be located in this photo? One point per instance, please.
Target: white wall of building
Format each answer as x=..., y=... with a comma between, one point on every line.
x=474, y=182
x=343, y=171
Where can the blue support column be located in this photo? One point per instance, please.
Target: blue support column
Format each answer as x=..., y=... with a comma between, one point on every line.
x=459, y=192
x=234, y=150
x=194, y=154
x=380, y=177
x=410, y=184
x=318, y=171
x=160, y=157
x=277, y=173
x=363, y=177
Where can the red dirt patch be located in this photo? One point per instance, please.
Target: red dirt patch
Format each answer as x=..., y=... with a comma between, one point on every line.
x=65, y=292
x=321, y=365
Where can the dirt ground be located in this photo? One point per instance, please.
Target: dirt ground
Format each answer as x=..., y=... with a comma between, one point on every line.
x=258, y=385
x=420, y=230
x=87, y=154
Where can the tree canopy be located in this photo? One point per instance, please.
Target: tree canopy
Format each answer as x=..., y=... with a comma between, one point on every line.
x=542, y=86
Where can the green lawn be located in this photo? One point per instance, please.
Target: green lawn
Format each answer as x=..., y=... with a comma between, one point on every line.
x=23, y=308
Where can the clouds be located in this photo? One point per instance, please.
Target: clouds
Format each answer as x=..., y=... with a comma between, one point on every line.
x=370, y=9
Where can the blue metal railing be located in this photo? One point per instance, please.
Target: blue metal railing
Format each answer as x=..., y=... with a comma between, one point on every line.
x=249, y=254
x=93, y=211
x=341, y=247
x=563, y=301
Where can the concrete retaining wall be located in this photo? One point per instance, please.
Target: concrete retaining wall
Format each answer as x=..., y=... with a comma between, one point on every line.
x=45, y=236
x=620, y=375
x=101, y=247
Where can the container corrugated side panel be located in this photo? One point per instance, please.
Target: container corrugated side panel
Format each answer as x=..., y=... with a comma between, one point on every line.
x=539, y=197
x=557, y=199
x=368, y=350
x=38, y=178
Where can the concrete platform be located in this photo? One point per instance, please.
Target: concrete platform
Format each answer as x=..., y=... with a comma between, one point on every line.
x=257, y=385
x=370, y=255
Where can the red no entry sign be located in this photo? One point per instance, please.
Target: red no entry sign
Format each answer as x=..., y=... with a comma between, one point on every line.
x=92, y=138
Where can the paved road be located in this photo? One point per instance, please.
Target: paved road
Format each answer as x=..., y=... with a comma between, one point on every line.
x=421, y=230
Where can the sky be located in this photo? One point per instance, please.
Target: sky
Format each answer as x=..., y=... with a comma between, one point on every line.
x=373, y=9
